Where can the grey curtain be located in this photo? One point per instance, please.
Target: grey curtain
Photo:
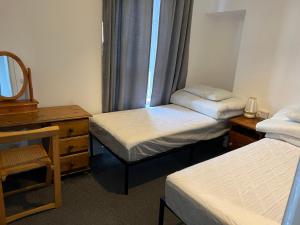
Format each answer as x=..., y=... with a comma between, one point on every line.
x=126, y=50
x=172, y=50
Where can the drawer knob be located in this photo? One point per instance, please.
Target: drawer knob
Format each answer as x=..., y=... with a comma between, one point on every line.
x=71, y=130
x=70, y=148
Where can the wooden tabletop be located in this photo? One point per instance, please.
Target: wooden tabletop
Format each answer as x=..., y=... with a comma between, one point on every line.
x=44, y=115
x=245, y=122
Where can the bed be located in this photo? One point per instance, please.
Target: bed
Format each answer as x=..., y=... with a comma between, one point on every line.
x=137, y=134
x=134, y=136
x=247, y=186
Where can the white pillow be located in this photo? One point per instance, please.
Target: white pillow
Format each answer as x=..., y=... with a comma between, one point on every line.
x=294, y=115
x=218, y=110
x=281, y=128
x=283, y=113
x=207, y=92
x=278, y=126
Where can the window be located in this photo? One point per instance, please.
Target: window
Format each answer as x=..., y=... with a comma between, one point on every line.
x=153, y=48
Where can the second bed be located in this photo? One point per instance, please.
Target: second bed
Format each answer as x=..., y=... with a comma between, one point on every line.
x=134, y=136
x=248, y=186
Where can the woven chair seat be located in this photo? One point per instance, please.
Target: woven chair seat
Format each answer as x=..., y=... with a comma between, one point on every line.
x=23, y=159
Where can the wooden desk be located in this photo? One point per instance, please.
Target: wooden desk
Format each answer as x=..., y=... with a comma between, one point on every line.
x=73, y=122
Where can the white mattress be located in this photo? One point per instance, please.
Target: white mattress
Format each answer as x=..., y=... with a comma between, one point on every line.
x=140, y=133
x=249, y=186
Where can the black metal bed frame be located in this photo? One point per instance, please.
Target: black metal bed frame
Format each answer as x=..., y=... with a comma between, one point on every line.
x=162, y=207
x=128, y=164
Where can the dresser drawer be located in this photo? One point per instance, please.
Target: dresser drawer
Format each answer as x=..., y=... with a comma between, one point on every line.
x=73, y=128
x=73, y=145
x=237, y=140
x=74, y=162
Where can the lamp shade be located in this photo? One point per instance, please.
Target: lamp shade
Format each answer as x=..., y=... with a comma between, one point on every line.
x=251, y=108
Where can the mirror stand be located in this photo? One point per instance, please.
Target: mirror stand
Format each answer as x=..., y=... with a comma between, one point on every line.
x=19, y=83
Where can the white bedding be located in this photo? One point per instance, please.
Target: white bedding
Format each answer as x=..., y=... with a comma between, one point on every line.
x=281, y=127
x=249, y=186
x=294, y=115
x=140, y=133
x=283, y=137
x=209, y=93
x=277, y=126
x=219, y=110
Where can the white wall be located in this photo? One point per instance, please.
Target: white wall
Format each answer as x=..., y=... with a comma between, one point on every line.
x=215, y=43
x=61, y=41
x=268, y=65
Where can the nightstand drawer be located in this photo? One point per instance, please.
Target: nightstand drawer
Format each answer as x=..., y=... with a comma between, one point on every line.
x=73, y=145
x=73, y=128
x=237, y=140
x=74, y=162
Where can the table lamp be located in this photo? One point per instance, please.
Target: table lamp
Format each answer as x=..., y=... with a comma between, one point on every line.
x=251, y=108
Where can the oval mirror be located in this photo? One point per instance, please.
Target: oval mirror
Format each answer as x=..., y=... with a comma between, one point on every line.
x=12, y=76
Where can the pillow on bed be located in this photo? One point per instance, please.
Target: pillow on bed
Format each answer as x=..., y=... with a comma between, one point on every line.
x=207, y=92
x=278, y=126
x=294, y=115
x=218, y=110
x=281, y=128
x=284, y=113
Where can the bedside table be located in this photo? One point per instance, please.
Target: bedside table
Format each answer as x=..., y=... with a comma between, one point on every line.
x=243, y=132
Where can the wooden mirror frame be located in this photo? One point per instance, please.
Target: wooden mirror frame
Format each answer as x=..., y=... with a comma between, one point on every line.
x=25, y=76
x=12, y=104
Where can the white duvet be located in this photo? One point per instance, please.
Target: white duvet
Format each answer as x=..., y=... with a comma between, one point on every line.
x=249, y=186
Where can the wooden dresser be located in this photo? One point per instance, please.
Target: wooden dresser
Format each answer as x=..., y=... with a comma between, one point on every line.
x=73, y=122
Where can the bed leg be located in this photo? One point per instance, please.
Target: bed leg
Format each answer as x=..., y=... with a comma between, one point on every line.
x=126, y=178
x=91, y=144
x=161, y=212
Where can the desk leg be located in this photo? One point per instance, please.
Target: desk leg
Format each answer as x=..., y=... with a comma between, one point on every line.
x=2, y=206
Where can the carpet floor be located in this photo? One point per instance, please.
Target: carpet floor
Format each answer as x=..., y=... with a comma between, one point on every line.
x=95, y=197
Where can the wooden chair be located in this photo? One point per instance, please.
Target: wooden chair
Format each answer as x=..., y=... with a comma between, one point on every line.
x=16, y=160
